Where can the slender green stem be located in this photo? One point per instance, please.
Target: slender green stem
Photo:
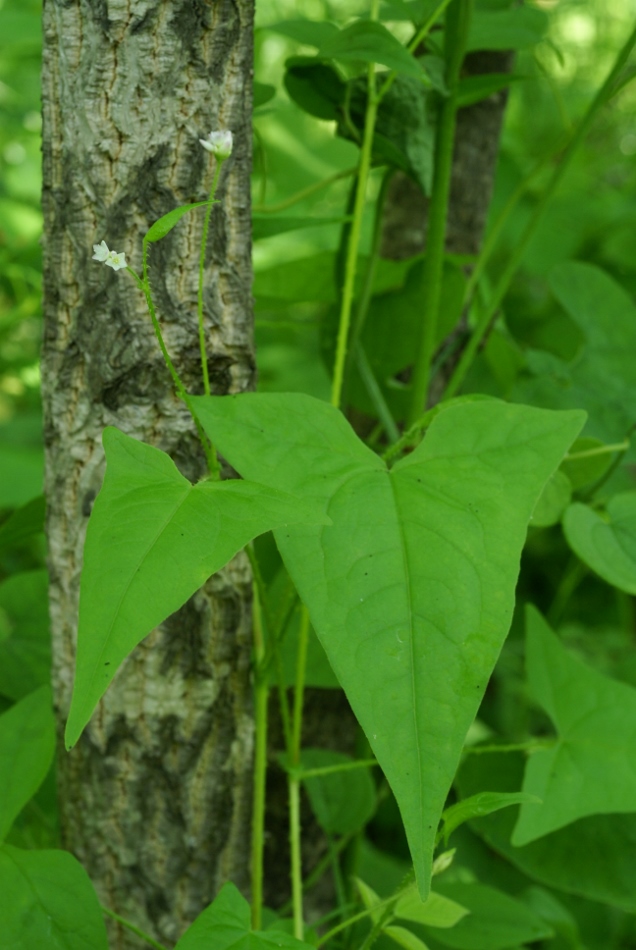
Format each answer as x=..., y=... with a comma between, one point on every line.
x=420, y=35
x=599, y=450
x=304, y=193
x=603, y=95
x=375, y=394
x=204, y=241
x=260, y=765
x=532, y=745
x=299, y=690
x=321, y=868
x=356, y=229
x=133, y=928
x=272, y=647
x=570, y=581
x=495, y=231
x=303, y=774
x=362, y=309
x=457, y=22
x=388, y=903
x=144, y=284
x=293, y=782
x=296, y=861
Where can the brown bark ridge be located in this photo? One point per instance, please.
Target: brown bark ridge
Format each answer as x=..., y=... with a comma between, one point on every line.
x=474, y=162
x=155, y=797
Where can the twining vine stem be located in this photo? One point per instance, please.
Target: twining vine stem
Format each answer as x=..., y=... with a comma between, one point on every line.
x=204, y=241
x=456, y=33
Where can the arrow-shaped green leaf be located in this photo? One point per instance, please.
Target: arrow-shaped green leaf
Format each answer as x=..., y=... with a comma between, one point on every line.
x=588, y=770
x=411, y=589
x=153, y=539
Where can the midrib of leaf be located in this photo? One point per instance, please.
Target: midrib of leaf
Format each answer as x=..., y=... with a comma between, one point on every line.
x=403, y=548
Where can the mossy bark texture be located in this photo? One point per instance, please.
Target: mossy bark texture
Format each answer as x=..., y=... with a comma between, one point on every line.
x=155, y=798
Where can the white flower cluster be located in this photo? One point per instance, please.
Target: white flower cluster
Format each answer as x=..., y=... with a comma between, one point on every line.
x=219, y=143
x=113, y=259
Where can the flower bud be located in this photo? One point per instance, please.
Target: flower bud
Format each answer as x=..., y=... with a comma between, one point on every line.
x=219, y=143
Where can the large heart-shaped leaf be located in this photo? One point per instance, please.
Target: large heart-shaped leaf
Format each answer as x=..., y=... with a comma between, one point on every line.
x=153, y=539
x=27, y=744
x=411, y=589
x=48, y=902
x=607, y=543
x=225, y=925
x=586, y=771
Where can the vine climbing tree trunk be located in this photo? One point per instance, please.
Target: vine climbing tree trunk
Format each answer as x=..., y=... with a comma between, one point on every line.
x=155, y=798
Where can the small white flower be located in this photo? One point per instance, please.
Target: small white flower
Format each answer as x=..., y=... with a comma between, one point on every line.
x=219, y=143
x=114, y=259
x=101, y=251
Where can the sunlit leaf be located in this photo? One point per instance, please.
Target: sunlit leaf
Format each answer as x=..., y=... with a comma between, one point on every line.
x=411, y=589
x=153, y=539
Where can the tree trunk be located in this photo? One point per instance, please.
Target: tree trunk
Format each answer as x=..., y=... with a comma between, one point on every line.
x=155, y=798
x=473, y=173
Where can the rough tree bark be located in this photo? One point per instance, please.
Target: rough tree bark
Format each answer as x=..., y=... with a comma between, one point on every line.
x=155, y=798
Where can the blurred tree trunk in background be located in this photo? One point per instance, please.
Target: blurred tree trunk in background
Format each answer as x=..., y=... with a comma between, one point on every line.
x=474, y=163
x=155, y=798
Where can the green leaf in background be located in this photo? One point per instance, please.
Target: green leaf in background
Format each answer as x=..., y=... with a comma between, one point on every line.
x=411, y=589
x=369, y=42
x=405, y=127
x=27, y=744
x=166, y=223
x=601, y=378
x=307, y=32
x=316, y=87
x=23, y=524
x=263, y=93
x=474, y=89
x=483, y=803
x=518, y=28
x=48, y=903
x=153, y=539
x=606, y=542
x=586, y=462
x=25, y=645
x=586, y=771
x=495, y=920
x=555, y=498
x=435, y=911
x=21, y=474
x=593, y=858
x=269, y=225
x=343, y=802
x=404, y=938
x=553, y=912
x=225, y=925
